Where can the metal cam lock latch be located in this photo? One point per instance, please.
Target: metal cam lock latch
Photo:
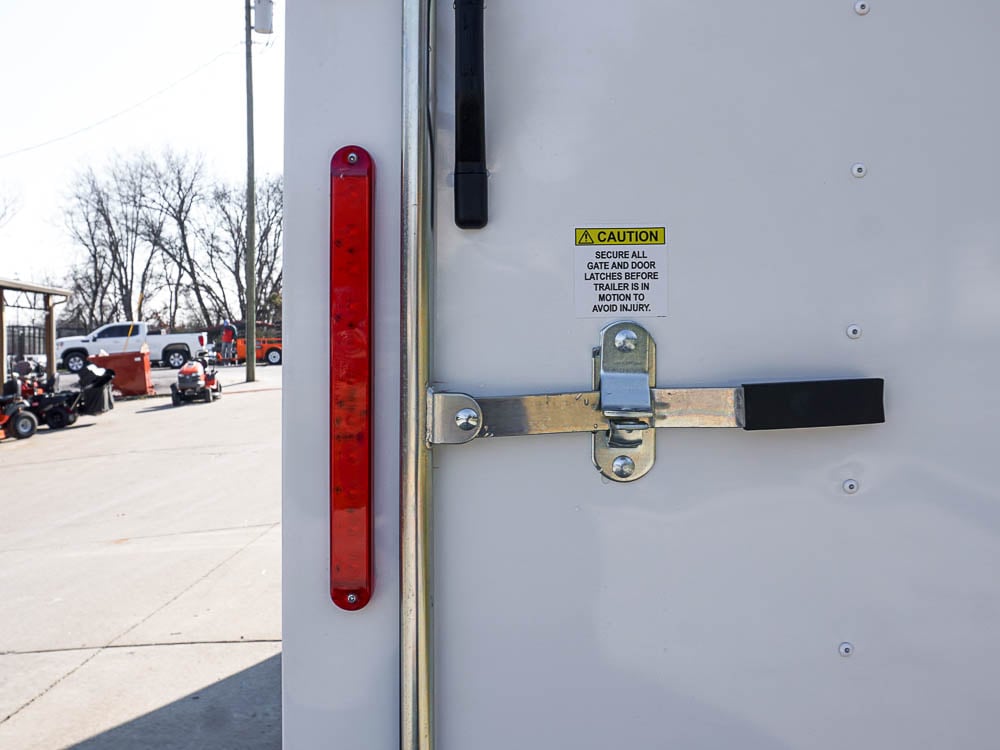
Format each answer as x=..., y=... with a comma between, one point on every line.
x=619, y=411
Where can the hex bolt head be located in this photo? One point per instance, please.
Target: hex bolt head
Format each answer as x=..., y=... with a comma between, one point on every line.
x=352, y=158
x=623, y=466
x=853, y=331
x=846, y=648
x=625, y=340
x=859, y=169
x=851, y=486
x=861, y=7
x=467, y=419
x=352, y=598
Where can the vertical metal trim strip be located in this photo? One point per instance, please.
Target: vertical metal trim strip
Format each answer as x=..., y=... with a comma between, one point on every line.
x=417, y=245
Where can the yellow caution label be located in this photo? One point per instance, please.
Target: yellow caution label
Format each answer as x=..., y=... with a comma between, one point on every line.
x=621, y=235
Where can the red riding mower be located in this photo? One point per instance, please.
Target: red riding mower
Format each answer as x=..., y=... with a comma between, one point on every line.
x=196, y=380
x=15, y=419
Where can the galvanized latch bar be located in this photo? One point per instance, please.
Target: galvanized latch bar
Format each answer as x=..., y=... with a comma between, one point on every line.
x=624, y=408
x=622, y=411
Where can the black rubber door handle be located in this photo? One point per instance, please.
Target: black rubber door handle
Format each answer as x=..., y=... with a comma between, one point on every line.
x=813, y=403
x=471, y=201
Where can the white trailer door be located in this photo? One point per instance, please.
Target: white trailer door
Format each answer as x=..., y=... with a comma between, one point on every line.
x=817, y=167
x=824, y=176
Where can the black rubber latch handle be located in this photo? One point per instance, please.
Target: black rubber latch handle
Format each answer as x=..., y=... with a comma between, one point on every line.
x=813, y=403
x=471, y=199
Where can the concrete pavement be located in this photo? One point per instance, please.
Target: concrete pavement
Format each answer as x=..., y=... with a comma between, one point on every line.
x=140, y=576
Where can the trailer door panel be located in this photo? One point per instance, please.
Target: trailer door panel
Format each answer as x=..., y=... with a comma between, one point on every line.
x=760, y=194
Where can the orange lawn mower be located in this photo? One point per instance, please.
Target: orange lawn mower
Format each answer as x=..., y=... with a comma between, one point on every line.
x=197, y=380
x=15, y=419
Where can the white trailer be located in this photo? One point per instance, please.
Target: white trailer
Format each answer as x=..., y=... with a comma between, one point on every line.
x=685, y=203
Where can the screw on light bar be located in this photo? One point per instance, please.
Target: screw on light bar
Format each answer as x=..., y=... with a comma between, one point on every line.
x=352, y=189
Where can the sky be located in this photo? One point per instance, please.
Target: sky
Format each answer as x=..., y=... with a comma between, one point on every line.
x=84, y=81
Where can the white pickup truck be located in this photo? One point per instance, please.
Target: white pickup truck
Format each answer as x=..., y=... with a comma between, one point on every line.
x=170, y=349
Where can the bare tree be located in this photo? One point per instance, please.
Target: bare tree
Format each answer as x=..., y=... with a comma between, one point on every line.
x=270, y=236
x=224, y=237
x=176, y=196
x=176, y=291
x=90, y=303
x=156, y=232
x=108, y=218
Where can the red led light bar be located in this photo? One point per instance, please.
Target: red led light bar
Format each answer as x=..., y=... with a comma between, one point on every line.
x=352, y=190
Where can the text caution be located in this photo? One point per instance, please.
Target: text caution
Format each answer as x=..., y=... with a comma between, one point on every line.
x=628, y=279
x=621, y=236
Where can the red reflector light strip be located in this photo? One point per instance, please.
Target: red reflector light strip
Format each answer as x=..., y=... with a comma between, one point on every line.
x=352, y=185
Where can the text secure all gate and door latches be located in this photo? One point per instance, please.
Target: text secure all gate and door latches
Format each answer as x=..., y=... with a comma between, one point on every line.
x=624, y=408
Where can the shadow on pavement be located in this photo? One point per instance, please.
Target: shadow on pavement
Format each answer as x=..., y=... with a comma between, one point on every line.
x=43, y=430
x=241, y=712
x=161, y=407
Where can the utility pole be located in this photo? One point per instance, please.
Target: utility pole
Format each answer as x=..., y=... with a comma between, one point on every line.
x=262, y=11
x=250, y=315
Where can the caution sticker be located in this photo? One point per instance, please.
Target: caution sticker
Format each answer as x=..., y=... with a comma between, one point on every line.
x=620, y=271
x=621, y=235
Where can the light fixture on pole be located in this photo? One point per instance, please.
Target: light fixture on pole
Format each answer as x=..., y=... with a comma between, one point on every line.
x=263, y=17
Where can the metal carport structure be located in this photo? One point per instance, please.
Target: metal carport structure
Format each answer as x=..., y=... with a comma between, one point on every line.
x=48, y=294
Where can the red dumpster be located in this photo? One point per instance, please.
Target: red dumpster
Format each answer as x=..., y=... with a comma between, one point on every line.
x=132, y=376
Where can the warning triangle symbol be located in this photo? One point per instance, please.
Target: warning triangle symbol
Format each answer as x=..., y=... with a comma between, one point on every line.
x=585, y=238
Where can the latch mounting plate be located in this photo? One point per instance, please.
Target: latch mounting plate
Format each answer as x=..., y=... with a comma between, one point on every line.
x=625, y=373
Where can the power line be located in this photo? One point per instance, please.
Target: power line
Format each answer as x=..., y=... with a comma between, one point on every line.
x=128, y=109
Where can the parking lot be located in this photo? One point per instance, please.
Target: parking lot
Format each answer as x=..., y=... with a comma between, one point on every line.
x=140, y=575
